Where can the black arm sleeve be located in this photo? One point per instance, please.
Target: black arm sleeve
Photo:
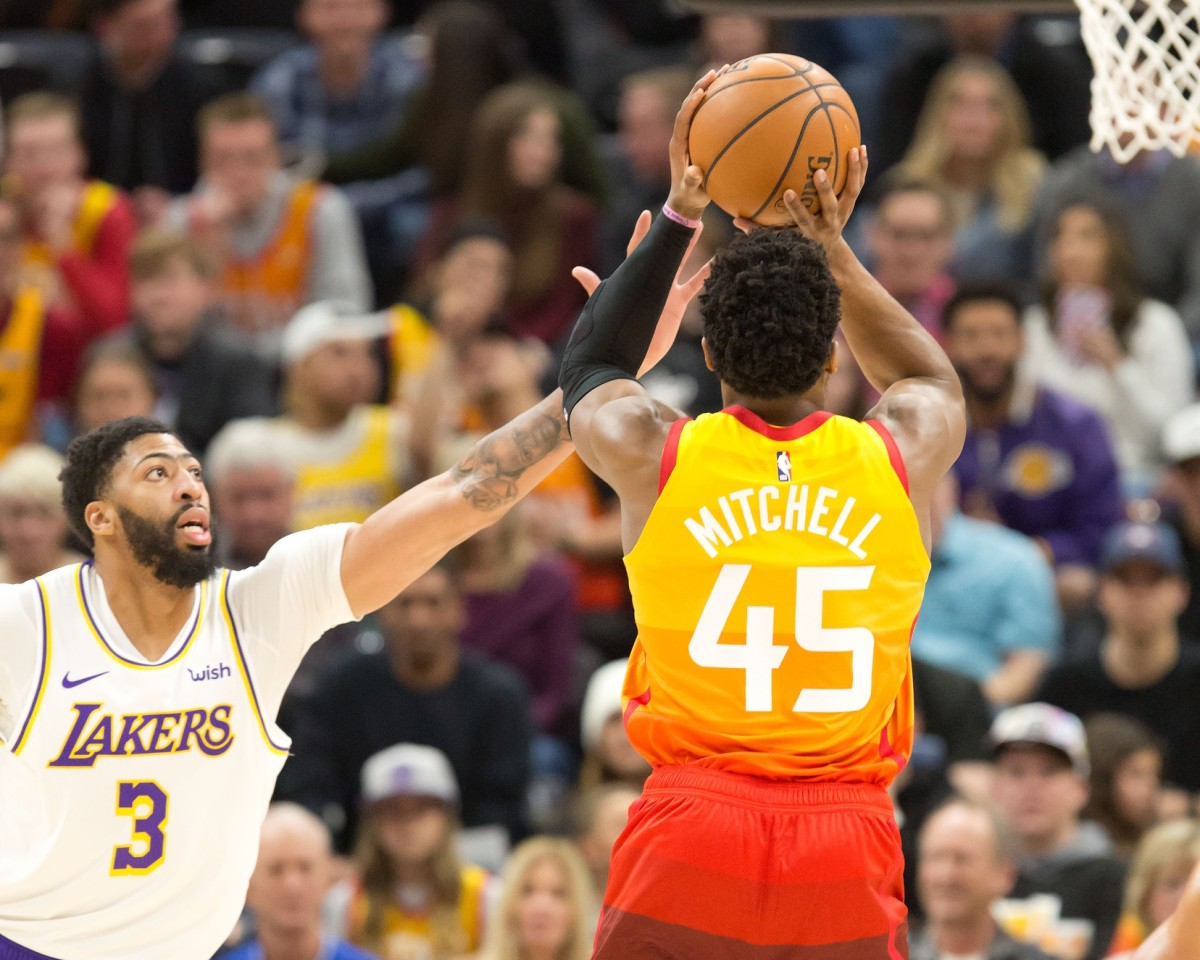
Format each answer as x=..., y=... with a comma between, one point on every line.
x=614, y=330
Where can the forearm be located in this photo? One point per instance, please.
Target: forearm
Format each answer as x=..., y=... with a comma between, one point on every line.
x=886, y=340
x=1017, y=679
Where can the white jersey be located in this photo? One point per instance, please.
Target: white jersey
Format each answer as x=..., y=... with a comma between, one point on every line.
x=132, y=793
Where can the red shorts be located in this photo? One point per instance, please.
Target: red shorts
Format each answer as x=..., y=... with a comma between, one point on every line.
x=719, y=866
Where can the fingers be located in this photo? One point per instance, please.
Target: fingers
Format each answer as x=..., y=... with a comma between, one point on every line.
x=640, y=229
x=692, y=286
x=804, y=220
x=856, y=178
x=829, y=201
x=744, y=225
x=683, y=119
x=587, y=279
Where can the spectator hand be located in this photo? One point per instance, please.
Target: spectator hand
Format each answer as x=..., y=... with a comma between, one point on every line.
x=54, y=213
x=682, y=292
x=1101, y=346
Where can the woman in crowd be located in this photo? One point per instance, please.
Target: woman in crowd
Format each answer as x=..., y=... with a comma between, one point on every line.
x=972, y=140
x=1157, y=878
x=1127, y=759
x=608, y=756
x=414, y=899
x=548, y=909
x=1095, y=336
x=33, y=527
x=114, y=382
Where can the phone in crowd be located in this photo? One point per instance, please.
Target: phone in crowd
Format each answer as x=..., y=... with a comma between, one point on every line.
x=1080, y=311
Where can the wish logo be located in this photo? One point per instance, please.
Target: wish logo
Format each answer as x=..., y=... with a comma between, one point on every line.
x=215, y=671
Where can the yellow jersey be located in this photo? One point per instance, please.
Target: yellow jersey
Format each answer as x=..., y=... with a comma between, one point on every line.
x=775, y=587
x=20, y=361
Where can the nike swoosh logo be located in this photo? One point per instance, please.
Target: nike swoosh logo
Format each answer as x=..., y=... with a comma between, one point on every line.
x=69, y=683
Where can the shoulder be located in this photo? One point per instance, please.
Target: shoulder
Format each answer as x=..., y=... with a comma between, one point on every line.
x=277, y=76
x=1068, y=411
x=631, y=428
x=1004, y=546
x=492, y=678
x=1155, y=317
x=330, y=201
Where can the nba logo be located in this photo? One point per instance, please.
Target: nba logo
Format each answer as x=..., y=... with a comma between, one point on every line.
x=783, y=463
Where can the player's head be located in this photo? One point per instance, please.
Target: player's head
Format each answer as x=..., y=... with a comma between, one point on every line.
x=132, y=487
x=770, y=309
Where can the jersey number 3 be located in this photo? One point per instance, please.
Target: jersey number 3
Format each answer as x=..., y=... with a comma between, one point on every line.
x=146, y=802
x=760, y=657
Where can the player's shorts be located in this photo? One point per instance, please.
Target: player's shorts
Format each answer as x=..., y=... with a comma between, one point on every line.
x=14, y=951
x=719, y=866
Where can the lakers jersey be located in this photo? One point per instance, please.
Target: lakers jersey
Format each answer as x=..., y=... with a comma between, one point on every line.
x=132, y=792
x=775, y=588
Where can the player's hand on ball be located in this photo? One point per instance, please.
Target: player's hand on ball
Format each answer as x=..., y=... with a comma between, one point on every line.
x=826, y=225
x=688, y=197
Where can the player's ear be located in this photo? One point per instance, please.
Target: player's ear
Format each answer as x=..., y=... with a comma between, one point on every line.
x=831, y=365
x=100, y=518
x=707, y=356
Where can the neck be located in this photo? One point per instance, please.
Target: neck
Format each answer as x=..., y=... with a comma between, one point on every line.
x=1050, y=843
x=136, y=74
x=779, y=411
x=432, y=673
x=289, y=944
x=150, y=613
x=964, y=936
x=343, y=71
x=967, y=172
x=313, y=414
x=412, y=871
x=540, y=953
x=986, y=413
x=1137, y=660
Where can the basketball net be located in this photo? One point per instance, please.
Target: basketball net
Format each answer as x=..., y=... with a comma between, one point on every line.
x=1145, y=54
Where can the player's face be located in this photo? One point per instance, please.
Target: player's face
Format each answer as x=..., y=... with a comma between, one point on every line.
x=1141, y=597
x=410, y=828
x=543, y=912
x=289, y=882
x=959, y=872
x=984, y=343
x=161, y=510
x=1037, y=792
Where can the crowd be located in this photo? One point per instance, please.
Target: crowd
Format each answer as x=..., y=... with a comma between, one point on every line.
x=333, y=268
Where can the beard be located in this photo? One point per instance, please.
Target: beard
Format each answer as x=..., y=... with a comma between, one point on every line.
x=987, y=393
x=155, y=547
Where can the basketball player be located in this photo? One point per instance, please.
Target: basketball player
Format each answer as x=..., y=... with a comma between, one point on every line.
x=1179, y=937
x=777, y=557
x=138, y=692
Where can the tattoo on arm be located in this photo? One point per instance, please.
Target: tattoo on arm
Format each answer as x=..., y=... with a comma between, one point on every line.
x=489, y=474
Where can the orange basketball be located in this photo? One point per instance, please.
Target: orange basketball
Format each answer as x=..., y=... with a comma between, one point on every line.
x=766, y=126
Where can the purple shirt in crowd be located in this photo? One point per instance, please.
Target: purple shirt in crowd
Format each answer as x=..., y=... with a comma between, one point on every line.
x=1049, y=472
x=532, y=629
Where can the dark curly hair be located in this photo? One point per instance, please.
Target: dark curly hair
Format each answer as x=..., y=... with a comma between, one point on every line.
x=770, y=309
x=90, y=459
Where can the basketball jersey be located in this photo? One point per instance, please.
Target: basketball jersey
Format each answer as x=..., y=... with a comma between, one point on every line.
x=132, y=793
x=775, y=588
x=95, y=202
x=20, y=360
x=411, y=344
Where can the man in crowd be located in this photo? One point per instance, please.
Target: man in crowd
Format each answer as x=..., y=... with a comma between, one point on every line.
x=601, y=813
x=989, y=610
x=33, y=527
x=1181, y=446
x=281, y=242
x=422, y=688
x=1142, y=668
x=1040, y=788
x=76, y=232
x=204, y=382
x=1034, y=459
x=965, y=865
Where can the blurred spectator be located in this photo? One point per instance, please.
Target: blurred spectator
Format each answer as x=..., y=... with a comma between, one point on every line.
x=281, y=242
x=114, y=382
x=289, y=884
x=203, y=381
x=548, y=909
x=349, y=457
x=521, y=612
x=1041, y=787
x=1052, y=79
x=40, y=343
x=972, y=140
x=338, y=91
x=421, y=688
x=608, y=756
x=989, y=610
x=1181, y=446
x=1034, y=459
x=728, y=37
x=1127, y=760
x=1141, y=669
x=911, y=241
x=1159, y=196
x=77, y=232
x=139, y=103
x=965, y=865
x=1157, y=879
x=223, y=14
x=1096, y=337
x=513, y=165
x=33, y=528
x=414, y=898
x=251, y=487
x=43, y=14
x=601, y=813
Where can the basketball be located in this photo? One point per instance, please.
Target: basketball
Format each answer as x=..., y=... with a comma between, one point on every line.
x=766, y=126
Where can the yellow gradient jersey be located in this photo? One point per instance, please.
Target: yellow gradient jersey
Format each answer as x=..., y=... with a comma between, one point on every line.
x=775, y=586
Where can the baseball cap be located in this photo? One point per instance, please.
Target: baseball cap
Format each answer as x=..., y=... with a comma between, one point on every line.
x=1181, y=435
x=409, y=770
x=1043, y=725
x=326, y=321
x=1152, y=542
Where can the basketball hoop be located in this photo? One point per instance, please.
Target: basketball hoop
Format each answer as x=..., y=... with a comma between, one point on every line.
x=1144, y=93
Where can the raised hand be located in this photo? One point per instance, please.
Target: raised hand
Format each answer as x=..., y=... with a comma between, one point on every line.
x=688, y=197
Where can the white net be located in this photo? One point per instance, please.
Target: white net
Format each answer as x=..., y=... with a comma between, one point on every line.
x=1146, y=55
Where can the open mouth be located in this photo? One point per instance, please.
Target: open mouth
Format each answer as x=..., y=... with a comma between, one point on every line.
x=194, y=526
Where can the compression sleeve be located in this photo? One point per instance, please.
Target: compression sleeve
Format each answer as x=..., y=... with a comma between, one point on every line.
x=614, y=330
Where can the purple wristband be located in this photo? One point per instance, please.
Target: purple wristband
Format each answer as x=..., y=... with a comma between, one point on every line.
x=680, y=218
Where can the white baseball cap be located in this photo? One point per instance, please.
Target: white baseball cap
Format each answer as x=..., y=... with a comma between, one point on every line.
x=409, y=770
x=1181, y=435
x=325, y=322
x=602, y=701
